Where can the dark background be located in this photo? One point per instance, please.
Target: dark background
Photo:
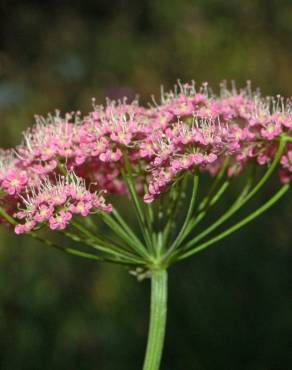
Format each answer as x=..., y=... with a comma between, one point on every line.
x=231, y=306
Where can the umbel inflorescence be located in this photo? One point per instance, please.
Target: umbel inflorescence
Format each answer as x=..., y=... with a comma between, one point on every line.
x=67, y=165
x=70, y=168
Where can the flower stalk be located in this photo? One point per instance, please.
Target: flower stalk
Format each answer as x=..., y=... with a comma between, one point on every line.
x=158, y=313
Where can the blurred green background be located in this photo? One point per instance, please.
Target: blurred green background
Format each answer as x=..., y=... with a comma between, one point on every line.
x=231, y=306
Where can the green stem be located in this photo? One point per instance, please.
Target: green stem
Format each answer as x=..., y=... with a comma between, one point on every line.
x=127, y=228
x=179, y=237
x=139, y=211
x=7, y=217
x=242, y=199
x=200, y=216
x=100, y=245
x=150, y=218
x=134, y=244
x=220, y=175
x=96, y=240
x=71, y=251
x=238, y=225
x=78, y=253
x=157, y=324
x=175, y=193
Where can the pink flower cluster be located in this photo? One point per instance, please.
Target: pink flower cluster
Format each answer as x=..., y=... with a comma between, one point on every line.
x=51, y=139
x=13, y=178
x=203, y=130
x=189, y=130
x=56, y=203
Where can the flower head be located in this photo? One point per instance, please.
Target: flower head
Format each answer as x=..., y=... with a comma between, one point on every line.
x=56, y=202
x=191, y=129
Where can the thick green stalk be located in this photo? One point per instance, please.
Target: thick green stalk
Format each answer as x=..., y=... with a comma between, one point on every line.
x=157, y=324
